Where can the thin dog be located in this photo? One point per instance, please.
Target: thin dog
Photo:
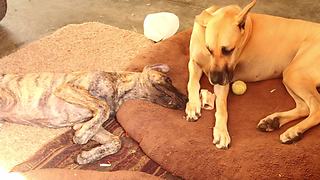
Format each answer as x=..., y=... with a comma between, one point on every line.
x=229, y=44
x=84, y=101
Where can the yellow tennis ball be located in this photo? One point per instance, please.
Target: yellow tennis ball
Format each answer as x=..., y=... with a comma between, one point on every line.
x=239, y=87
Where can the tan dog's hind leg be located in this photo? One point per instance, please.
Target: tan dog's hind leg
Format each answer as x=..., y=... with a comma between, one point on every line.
x=221, y=136
x=81, y=97
x=301, y=79
x=193, y=108
x=111, y=144
x=278, y=119
x=308, y=92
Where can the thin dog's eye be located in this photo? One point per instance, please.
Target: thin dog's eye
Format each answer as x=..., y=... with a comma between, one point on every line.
x=168, y=80
x=226, y=51
x=211, y=52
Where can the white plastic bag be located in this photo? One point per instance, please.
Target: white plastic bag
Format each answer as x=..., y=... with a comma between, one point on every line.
x=160, y=26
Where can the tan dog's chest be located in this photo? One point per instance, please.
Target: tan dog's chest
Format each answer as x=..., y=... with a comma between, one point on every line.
x=273, y=44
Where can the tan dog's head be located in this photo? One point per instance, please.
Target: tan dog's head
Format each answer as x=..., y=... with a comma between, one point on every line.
x=224, y=33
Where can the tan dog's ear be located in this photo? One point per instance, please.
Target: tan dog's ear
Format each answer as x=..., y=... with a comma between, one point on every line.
x=203, y=18
x=242, y=16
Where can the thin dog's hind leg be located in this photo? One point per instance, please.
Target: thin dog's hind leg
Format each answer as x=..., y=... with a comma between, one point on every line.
x=111, y=144
x=100, y=109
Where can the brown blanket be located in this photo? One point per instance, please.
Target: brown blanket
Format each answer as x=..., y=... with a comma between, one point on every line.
x=61, y=153
x=186, y=148
x=64, y=174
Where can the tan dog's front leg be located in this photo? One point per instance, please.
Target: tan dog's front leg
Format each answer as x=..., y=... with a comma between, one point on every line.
x=193, y=108
x=221, y=136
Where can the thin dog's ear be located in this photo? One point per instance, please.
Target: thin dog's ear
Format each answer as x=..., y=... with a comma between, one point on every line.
x=164, y=68
x=242, y=16
x=203, y=18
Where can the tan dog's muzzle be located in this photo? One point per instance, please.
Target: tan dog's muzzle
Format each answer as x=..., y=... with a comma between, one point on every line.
x=220, y=77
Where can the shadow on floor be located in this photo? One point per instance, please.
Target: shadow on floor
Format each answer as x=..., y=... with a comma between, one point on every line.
x=8, y=44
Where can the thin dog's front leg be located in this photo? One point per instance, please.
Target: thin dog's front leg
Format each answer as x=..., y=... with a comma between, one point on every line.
x=193, y=108
x=100, y=109
x=110, y=144
x=221, y=136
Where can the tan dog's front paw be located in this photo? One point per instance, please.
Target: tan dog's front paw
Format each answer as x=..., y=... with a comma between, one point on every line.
x=193, y=111
x=221, y=138
x=292, y=135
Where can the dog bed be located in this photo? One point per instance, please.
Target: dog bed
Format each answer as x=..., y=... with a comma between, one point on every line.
x=186, y=149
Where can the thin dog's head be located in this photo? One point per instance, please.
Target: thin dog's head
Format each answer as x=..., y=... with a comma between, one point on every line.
x=157, y=87
x=224, y=35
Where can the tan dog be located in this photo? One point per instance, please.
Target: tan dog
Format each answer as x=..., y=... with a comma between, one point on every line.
x=229, y=44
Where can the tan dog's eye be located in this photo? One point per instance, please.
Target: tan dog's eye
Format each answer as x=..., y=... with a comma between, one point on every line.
x=241, y=25
x=211, y=52
x=226, y=51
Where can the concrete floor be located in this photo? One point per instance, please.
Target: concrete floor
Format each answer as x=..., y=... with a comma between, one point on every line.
x=28, y=20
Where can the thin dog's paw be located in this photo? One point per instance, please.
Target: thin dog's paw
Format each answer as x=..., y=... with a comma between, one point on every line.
x=221, y=138
x=291, y=136
x=85, y=157
x=77, y=126
x=99, y=152
x=268, y=124
x=193, y=111
x=79, y=140
x=82, y=138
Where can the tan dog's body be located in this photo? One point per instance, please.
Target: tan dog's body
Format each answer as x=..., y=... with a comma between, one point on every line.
x=263, y=47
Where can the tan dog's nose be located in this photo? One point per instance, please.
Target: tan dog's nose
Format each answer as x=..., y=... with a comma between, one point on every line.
x=220, y=77
x=216, y=77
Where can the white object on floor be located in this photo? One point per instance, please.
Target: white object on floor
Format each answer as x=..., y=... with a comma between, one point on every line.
x=207, y=99
x=105, y=165
x=160, y=26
